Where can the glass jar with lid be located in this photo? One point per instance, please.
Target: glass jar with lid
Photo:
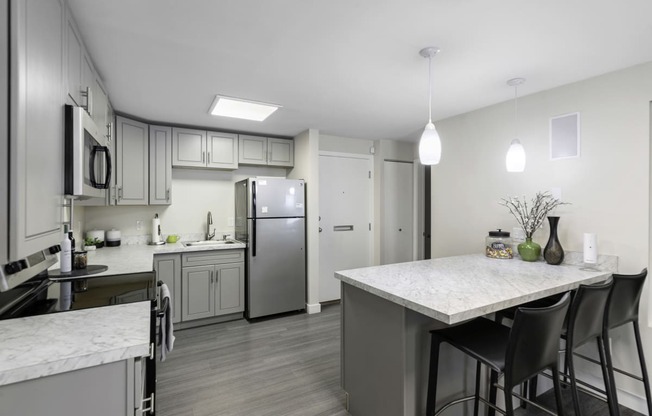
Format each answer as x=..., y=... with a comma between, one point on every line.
x=499, y=245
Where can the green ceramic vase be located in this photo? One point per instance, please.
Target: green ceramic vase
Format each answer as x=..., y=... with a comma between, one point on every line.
x=529, y=250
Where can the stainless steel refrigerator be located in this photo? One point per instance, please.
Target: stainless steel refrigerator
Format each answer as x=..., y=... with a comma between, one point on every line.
x=270, y=218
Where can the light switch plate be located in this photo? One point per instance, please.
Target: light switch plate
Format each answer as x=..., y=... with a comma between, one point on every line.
x=139, y=225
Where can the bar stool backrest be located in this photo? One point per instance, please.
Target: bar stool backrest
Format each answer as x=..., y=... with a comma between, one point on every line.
x=534, y=341
x=587, y=313
x=624, y=299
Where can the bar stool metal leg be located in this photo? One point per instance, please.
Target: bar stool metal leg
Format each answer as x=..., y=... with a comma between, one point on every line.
x=476, y=404
x=493, y=391
x=573, y=382
x=612, y=394
x=557, y=386
x=431, y=402
x=641, y=357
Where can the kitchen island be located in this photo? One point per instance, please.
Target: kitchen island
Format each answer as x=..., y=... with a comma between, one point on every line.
x=388, y=310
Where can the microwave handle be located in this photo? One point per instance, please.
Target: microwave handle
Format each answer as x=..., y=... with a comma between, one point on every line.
x=107, y=160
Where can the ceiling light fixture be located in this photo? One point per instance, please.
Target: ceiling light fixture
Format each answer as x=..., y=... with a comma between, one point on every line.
x=239, y=108
x=515, y=159
x=430, y=143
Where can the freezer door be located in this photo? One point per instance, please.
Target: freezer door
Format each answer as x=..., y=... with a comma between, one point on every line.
x=276, y=274
x=276, y=197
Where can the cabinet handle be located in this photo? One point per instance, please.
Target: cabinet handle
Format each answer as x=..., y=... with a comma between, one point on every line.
x=120, y=196
x=149, y=409
x=203, y=157
x=167, y=194
x=212, y=277
x=208, y=159
x=109, y=128
x=88, y=93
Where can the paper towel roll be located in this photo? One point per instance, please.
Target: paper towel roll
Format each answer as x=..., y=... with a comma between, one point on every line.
x=156, y=230
x=590, y=248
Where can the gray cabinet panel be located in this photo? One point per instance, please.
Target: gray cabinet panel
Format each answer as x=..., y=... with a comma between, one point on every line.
x=132, y=151
x=88, y=83
x=168, y=270
x=252, y=150
x=198, y=292
x=205, y=258
x=36, y=146
x=160, y=165
x=222, y=150
x=230, y=289
x=74, y=59
x=4, y=134
x=281, y=152
x=188, y=147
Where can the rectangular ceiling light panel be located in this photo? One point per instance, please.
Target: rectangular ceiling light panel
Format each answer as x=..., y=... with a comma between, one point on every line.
x=237, y=108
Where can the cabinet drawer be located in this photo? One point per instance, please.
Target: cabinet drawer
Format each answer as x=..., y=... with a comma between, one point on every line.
x=203, y=258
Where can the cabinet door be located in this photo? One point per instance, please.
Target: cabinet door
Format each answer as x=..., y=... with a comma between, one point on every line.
x=74, y=58
x=168, y=270
x=252, y=150
x=281, y=152
x=132, y=151
x=88, y=83
x=229, y=297
x=222, y=150
x=188, y=147
x=37, y=96
x=100, y=101
x=160, y=165
x=198, y=291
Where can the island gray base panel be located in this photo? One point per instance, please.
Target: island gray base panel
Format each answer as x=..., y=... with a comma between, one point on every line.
x=385, y=357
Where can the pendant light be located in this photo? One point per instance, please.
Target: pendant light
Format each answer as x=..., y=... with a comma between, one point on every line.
x=430, y=144
x=515, y=159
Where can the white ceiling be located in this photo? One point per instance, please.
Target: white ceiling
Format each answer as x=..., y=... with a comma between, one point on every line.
x=350, y=67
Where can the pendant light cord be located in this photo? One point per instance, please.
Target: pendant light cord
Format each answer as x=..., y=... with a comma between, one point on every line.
x=516, y=111
x=429, y=89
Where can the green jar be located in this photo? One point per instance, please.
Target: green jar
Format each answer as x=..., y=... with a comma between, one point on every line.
x=529, y=250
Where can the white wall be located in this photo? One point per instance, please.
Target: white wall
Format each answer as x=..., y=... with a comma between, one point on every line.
x=608, y=185
x=194, y=193
x=306, y=167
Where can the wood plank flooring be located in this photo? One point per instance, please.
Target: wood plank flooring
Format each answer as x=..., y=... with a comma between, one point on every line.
x=286, y=366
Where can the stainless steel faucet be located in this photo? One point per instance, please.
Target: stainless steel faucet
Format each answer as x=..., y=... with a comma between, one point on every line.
x=209, y=222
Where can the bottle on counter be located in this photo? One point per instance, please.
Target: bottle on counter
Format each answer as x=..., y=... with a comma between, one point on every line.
x=65, y=258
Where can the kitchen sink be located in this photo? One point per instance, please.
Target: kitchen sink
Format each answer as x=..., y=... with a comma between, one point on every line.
x=207, y=243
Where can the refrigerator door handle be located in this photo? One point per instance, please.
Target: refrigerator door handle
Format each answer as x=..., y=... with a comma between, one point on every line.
x=253, y=219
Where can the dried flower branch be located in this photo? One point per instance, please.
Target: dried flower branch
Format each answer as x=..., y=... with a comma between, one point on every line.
x=531, y=218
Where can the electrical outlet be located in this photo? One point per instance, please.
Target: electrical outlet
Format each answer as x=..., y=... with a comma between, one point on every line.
x=230, y=221
x=139, y=225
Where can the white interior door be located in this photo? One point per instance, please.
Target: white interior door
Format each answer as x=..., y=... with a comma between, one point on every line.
x=398, y=212
x=345, y=209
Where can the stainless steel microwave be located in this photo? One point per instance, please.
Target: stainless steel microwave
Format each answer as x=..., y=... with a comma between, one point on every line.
x=87, y=156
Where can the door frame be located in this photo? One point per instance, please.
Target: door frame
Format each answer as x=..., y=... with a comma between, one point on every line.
x=370, y=163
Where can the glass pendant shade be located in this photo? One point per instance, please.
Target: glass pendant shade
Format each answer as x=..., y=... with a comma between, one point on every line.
x=515, y=160
x=430, y=146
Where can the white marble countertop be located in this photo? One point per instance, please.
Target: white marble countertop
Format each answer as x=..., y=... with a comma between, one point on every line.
x=140, y=258
x=454, y=289
x=50, y=344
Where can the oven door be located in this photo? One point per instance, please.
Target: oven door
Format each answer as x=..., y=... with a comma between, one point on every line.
x=88, y=159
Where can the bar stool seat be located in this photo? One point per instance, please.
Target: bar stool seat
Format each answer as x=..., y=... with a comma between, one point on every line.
x=528, y=348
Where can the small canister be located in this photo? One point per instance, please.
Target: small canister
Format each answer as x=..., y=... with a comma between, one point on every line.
x=499, y=245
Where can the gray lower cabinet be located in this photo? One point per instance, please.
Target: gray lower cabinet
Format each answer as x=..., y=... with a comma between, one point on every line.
x=255, y=150
x=131, y=162
x=160, y=165
x=168, y=270
x=212, y=284
x=36, y=129
x=106, y=390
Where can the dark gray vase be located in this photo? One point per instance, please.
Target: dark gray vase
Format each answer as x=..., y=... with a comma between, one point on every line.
x=553, y=253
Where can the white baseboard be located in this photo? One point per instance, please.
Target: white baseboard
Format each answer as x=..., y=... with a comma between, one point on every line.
x=625, y=398
x=313, y=308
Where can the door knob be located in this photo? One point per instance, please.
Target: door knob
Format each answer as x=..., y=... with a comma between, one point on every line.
x=320, y=230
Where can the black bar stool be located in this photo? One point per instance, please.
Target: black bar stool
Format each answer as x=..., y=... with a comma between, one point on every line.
x=622, y=308
x=585, y=321
x=528, y=348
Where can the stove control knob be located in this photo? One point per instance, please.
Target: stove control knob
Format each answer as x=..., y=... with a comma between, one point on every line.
x=55, y=249
x=23, y=264
x=11, y=268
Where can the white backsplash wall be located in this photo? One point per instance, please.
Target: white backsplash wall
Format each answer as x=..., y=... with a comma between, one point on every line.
x=194, y=193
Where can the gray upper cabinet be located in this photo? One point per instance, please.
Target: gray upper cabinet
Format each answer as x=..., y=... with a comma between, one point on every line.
x=74, y=49
x=36, y=135
x=281, y=152
x=160, y=165
x=131, y=162
x=222, y=150
x=188, y=147
x=254, y=150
